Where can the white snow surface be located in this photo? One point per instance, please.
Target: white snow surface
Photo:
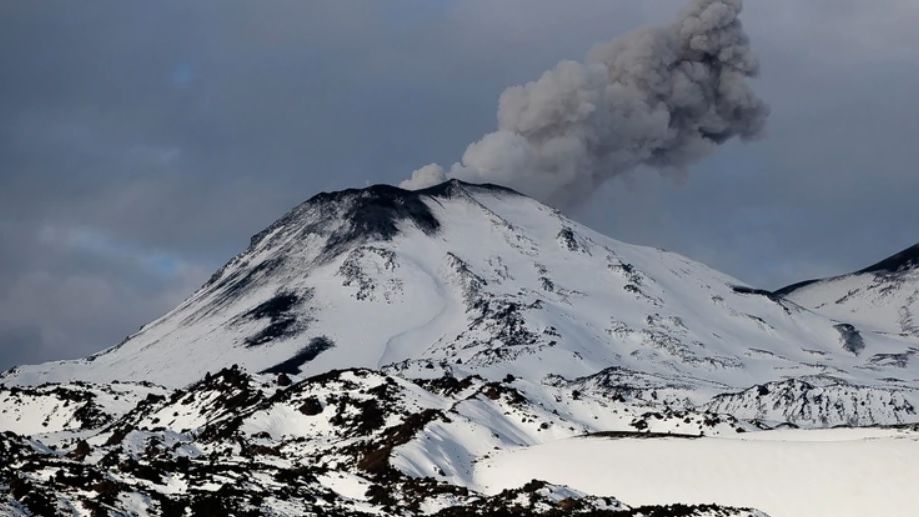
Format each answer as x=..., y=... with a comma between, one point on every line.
x=818, y=473
x=55, y=408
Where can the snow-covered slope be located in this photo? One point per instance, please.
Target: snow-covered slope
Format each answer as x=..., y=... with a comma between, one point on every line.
x=883, y=297
x=54, y=408
x=345, y=443
x=480, y=279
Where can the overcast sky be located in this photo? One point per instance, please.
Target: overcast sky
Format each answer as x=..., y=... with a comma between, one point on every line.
x=142, y=143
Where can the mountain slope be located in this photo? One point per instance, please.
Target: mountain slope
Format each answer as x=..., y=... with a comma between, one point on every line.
x=883, y=297
x=481, y=280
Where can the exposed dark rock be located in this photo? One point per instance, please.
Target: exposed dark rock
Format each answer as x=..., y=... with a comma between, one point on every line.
x=740, y=289
x=375, y=457
x=851, y=338
x=311, y=406
x=291, y=366
x=81, y=450
x=905, y=260
x=448, y=385
x=900, y=360
x=280, y=312
x=570, y=240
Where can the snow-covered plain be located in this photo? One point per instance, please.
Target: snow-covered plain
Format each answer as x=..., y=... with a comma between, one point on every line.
x=812, y=473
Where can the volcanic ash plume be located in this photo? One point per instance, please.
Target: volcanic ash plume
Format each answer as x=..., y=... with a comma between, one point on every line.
x=662, y=97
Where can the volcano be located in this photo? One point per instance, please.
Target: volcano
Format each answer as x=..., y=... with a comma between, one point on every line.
x=478, y=279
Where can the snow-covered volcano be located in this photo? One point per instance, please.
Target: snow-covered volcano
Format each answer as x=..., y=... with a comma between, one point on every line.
x=441, y=347
x=481, y=279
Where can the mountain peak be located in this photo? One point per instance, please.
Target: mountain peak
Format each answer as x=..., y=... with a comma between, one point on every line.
x=902, y=261
x=906, y=260
x=447, y=189
x=373, y=211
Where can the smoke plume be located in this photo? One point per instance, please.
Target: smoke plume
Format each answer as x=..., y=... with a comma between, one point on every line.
x=664, y=97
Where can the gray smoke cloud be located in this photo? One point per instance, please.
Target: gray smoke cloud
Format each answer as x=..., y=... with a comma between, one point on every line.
x=664, y=97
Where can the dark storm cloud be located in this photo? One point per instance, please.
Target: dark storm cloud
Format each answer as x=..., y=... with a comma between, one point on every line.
x=141, y=143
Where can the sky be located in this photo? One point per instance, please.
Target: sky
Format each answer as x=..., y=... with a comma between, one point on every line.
x=142, y=143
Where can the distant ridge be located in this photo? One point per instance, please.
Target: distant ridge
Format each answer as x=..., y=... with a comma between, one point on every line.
x=905, y=260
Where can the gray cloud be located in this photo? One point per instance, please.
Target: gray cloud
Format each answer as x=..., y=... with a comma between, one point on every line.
x=663, y=97
x=142, y=143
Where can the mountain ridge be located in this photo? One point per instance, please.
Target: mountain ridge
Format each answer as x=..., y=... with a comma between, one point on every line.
x=883, y=296
x=899, y=262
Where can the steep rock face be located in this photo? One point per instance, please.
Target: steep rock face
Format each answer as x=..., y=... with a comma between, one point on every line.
x=465, y=279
